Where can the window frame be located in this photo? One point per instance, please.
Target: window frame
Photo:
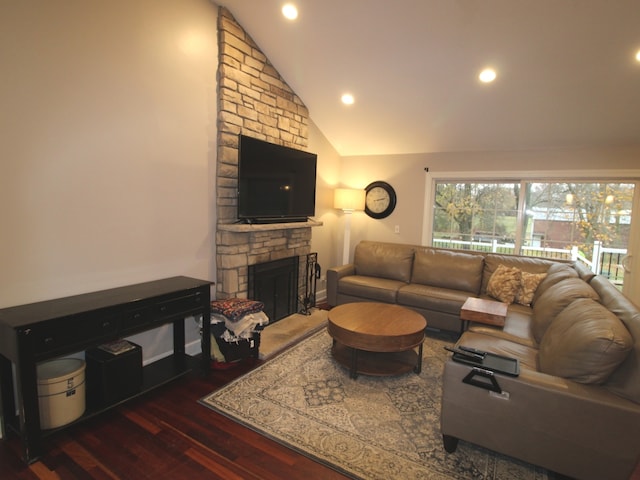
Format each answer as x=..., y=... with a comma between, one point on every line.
x=632, y=277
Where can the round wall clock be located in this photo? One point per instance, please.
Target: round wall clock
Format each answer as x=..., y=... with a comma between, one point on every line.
x=380, y=199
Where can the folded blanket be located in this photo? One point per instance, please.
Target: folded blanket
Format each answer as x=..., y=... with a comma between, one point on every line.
x=236, y=308
x=245, y=326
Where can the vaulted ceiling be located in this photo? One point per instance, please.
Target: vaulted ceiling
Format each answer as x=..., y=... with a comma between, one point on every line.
x=567, y=75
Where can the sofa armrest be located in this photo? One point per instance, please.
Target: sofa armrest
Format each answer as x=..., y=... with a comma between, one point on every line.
x=579, y=430
x=334, y=274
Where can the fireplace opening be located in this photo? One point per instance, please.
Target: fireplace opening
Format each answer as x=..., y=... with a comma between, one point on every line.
x=275, y=284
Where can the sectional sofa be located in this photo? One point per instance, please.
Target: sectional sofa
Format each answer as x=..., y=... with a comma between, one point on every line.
x=574, y=408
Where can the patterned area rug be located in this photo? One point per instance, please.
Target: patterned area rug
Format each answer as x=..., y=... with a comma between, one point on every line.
x=369, y=428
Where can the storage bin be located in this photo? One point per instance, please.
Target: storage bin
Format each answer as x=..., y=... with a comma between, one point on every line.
x=240, y=350
x=112, y=378
x=61, y=391
x=236, y=350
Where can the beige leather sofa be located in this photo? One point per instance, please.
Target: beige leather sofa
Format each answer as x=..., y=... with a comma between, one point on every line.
x=434, y=282
x=574, y=408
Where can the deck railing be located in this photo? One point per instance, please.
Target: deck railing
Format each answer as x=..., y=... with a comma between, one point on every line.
x=604, y=261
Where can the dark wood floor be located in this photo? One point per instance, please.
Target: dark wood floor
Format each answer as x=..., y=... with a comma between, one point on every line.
x=164, y=435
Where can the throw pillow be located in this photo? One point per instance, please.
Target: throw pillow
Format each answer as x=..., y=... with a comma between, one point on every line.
x=585, y=343
x=504, y=283
x=528, y=286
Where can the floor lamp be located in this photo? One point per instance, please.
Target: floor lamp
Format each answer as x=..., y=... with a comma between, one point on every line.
x=348, y=200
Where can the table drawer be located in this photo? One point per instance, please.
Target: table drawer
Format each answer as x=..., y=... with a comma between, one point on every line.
x=176, y=307
x=136, y=319
x=63, y=334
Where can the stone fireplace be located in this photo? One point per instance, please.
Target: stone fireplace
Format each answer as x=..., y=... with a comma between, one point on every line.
x=253, y=100
x=241, y=246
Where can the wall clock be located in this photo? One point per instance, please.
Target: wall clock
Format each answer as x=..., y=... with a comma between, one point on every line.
x=380, y=199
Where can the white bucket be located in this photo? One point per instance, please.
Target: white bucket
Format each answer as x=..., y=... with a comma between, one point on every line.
x=61, y=391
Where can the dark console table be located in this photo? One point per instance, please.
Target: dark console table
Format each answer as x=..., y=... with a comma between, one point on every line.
x=40, y=331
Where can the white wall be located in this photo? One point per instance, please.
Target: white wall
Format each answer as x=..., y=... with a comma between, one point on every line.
x=327, y=239
x=107, y=134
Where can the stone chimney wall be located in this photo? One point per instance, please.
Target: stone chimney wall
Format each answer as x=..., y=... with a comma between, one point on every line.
x=254, y=100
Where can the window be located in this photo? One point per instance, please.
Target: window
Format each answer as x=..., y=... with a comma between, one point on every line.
x=589, y=221
x=475, y=216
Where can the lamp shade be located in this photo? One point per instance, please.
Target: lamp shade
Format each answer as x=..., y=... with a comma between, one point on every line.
x=348, y=199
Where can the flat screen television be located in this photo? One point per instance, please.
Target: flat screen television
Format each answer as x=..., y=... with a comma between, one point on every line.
x=275, y=183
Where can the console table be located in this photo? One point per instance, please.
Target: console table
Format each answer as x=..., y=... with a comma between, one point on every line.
x=33, y=333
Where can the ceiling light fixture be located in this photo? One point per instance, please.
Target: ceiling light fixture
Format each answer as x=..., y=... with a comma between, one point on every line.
x=487, y=75
x=290, y=11
x=638, y=55
x=347, y=99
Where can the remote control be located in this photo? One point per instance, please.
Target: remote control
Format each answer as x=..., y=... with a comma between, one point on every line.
x=470, y=355
x=472, y=350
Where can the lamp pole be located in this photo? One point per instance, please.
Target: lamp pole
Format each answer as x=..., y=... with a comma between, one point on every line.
x=348, y=200
x=347, y=236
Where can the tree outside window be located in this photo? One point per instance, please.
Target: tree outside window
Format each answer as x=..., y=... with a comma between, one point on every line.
x=471, y=214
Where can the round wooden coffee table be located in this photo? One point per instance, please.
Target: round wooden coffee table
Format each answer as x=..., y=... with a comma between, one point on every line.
x=377, y=338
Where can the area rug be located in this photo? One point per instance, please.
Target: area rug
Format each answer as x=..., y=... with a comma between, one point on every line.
x=368, y=428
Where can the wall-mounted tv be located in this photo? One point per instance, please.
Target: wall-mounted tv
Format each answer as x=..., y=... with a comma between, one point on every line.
x=275, y=183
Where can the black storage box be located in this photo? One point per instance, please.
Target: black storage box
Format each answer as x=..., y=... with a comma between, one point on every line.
x=112, y=377
x=240, y=350
x=243, y=349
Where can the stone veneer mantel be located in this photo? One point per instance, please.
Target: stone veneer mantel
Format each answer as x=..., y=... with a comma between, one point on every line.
x=265, y=227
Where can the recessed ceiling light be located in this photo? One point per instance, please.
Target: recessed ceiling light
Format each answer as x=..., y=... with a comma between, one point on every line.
x=290, y=11
x=638, y=55
x=347, y=99
x=487, y=75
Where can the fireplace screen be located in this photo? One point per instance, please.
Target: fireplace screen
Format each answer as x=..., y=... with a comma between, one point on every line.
x=275, y=284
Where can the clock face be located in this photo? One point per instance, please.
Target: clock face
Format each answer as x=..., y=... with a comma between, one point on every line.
x=380, y=199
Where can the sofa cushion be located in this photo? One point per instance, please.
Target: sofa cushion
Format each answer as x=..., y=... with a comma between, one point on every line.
x=432, y=298
x=556, y=273
x=383, y=260
x=585, y=343
x=517, y=326
x=527, y=356
x=372, y=288
x=504, y=283
x=446, y=269
x=625, y=381
x=528, y=285
x=556, y=299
